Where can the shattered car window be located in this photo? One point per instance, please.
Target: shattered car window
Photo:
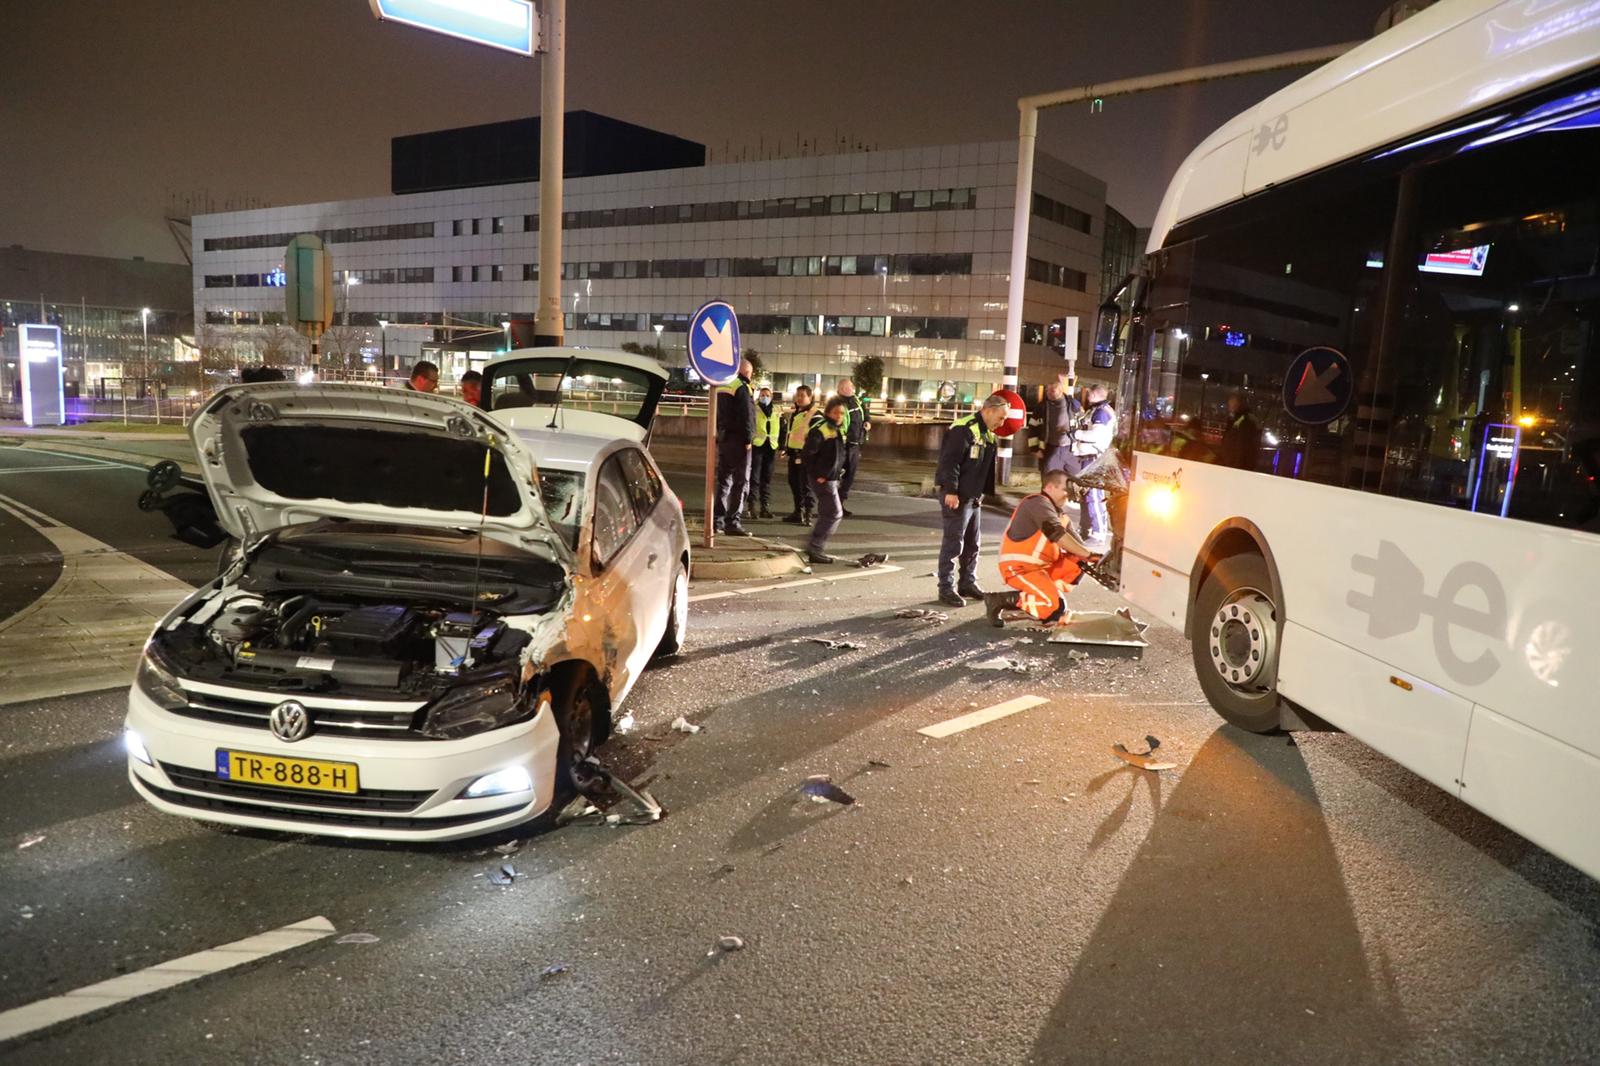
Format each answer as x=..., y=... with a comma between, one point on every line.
x=563, y=502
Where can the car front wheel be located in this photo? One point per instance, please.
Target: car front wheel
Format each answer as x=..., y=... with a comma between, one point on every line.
x=677, y=617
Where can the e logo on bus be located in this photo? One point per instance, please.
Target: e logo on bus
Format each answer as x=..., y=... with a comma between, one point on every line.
x=1399, y=600
x=1317, y=386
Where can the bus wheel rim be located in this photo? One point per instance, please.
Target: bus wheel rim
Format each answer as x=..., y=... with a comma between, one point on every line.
x=1242, y=641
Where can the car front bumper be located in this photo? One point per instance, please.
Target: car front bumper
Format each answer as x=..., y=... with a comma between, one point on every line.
x=410, y=789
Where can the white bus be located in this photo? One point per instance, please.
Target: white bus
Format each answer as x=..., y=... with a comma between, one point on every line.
x=1363, y=374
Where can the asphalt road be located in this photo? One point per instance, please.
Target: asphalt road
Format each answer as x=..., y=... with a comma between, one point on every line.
x=1009, y=894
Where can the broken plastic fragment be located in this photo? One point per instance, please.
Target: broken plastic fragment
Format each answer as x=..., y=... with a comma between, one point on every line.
x=1142, y=761
x=871, y=559
x=357, y=938
x=1076, y=655
x=834, y=643
x=553, y=970
x=726, y=944
x=926, y=614
x=821, y=789
x=879, y=763
x=503, y=876
x=508, y=848
x=30, y=842
x=625, y=725
x=1000, y=662
x=681, y=724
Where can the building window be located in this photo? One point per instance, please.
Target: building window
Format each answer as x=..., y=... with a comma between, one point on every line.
x=1061, y=214
x=497, y=273
x=1055, y=274
x=500, y=223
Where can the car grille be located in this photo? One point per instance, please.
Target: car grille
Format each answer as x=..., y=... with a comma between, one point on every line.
x=319, y=817
x=366, y=799
x=374, y=724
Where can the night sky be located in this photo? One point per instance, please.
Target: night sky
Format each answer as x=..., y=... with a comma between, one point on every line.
x=109, y=109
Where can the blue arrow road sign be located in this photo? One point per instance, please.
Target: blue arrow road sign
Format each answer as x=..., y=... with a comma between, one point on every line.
x=714, y=343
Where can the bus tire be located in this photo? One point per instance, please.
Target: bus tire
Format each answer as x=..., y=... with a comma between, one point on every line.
x=1234, y=639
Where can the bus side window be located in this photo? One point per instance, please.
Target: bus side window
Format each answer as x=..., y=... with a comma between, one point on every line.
x=1495, y=373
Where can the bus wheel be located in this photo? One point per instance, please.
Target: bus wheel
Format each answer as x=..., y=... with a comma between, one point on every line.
x=1235, y=643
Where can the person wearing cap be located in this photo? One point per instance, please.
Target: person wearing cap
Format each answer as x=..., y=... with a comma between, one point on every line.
x=964, y=476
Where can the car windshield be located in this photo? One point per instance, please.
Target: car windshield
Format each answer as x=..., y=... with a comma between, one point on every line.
x=563, y=502
x=594, y=384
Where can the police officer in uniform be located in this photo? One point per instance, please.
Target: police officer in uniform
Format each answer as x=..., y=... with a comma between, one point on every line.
x=825, y=458
x=857, y=424
x=965, y=475
x=736, y=430
x=796, y=425
x=763, y=453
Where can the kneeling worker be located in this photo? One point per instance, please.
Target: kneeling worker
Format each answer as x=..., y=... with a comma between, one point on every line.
x=1039, y=556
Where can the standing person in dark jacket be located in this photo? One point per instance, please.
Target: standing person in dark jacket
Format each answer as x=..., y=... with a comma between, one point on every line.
x=736, y=430
x=796, y=426
x=825, y=464
x=763, y=452
x=1050, y=427
x=966, y=473
x=857, y=424
x=1241, y=440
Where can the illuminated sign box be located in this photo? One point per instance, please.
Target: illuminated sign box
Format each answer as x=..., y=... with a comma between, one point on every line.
x=43, y=394
x=507, y=24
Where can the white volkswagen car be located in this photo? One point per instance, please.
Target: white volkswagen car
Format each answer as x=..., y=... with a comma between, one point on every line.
x=431, y=610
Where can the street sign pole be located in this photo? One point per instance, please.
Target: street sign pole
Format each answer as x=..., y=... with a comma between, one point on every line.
x=713, y=347
x=548, y=324
x=710, y=538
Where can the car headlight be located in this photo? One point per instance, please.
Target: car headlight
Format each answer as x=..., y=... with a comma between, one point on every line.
x=499, y=783
x=134, y=743
x=476, y=706
x=156, y=681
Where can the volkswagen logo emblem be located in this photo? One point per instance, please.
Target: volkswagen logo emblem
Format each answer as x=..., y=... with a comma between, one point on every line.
x=290, y=721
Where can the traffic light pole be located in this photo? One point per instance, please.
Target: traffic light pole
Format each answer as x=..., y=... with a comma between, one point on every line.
x=1028, y=134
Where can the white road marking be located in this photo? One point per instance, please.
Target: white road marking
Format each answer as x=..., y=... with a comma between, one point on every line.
x=977, y=718
x=47, y=1012
x=86, y=631
x=796, y=583
x=79, y=456
x=56, y=469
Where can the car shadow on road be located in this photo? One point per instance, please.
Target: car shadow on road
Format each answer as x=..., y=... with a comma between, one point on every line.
x=1230, y=936
x=46, y=788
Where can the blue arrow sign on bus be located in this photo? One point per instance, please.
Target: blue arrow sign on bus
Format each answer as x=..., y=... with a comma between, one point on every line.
x=714, y=343
x=507, y=24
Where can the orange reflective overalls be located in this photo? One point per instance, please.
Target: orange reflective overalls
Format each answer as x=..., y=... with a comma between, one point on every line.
x=1038, y=569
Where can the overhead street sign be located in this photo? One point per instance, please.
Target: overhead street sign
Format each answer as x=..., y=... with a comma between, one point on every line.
x=510, y=25
x=714, y=343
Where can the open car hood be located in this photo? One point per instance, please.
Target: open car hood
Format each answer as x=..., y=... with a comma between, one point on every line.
x=278, y=454
x=592, y=391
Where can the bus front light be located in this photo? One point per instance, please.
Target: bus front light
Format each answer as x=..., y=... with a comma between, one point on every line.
x=1161, y=500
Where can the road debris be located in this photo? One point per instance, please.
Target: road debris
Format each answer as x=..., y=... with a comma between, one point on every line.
x=553, y=970
x=357, y=938
x=1107, y=630
x=821, y=789
x=599, y=785
x=871, y=559
x=681, y=724
x=726, y=944
x=30, y=841
x=1142, y=759
x=508, y=848
x=506, y=875
x=1000, y=662
x=625, y=725
x=1075, y=655
x=924, y=614
x=878, y=764
x=833, y=643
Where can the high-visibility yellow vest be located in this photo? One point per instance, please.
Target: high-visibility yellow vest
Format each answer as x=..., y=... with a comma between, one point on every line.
x=981, y=433
x=799, y=426
x=767, y=427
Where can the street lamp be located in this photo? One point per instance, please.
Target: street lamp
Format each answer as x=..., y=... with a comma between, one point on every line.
x=383, y=332
x=506, y=325
x=144, y=329
x=348, y=281
x=1204, y=377
x=658, y=327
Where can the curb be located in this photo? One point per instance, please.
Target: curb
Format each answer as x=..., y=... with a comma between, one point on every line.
x=98, y=451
